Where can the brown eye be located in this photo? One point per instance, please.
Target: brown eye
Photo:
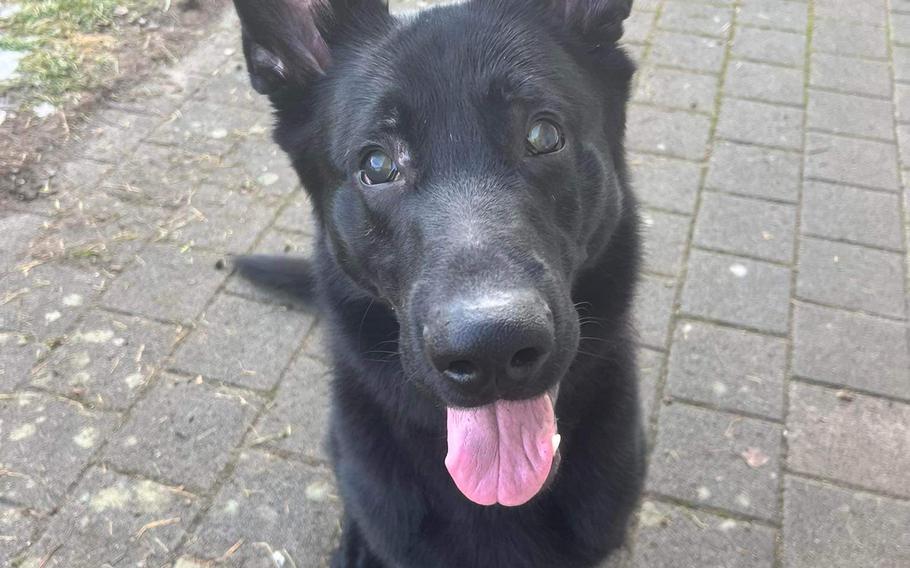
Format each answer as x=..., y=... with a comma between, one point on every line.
x=378, y=168
x=544, y=138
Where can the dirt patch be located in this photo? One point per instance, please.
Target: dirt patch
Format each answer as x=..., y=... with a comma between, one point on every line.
x=59, y=83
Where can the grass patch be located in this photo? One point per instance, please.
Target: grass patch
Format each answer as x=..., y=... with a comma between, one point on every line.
x=71, y=45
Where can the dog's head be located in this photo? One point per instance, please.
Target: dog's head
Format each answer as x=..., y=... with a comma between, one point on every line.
x=466, y=166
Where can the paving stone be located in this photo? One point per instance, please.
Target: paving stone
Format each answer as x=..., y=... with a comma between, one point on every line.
x=760, y=123
x=900, y=28
x=851, y=161
x=671, y=536
x=16, y=526
x=901, y=59
x=850, y=114
x=772, y=46
x=107, y=360
x=850, y=214
x=700, y=457
x=851, y=350
x=859, y=76
x=845, y=37
x=257, y=165
x=636, y=51
x=665, y=182
x=666, y=236
x=654, y=308
x=205, y=127
x=229, y=85
x=861, y=440
x=758, y=172
x=638, y=27
x=676, y=89
x=46, y=302
x=730, y=369
x=243, y=342
x=220, y=220
x=16, y=231
x=182, y=432
x=869, y=11
x=903, y=142
x=691, y=52
x=776, y=14
x=696, y=18
x=297, y=420
x=674, y=133
x=766, y=82
x=650, y=367
x=276, y=509
x=114, y=520
x=18, y=354
x=746, y=226
x=852, y=277
x=114, y=134
x=46, y=444
x=298, y=215
x=834, y=527
x=902, y=102
x=162, y=176
x=275, y=242
x=737, y=291
x=166, y=283
x=316, y=344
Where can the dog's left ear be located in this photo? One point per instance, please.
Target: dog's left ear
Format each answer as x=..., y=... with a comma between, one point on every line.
x=598, y=21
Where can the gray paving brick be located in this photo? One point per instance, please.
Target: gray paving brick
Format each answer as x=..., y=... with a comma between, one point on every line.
x=638, y=27
x=243, y=343
x=674, y=133
x=229, y=85
x=298, y=215
x=257, y=165
x=850, y=114
x=851, y=214
x=737, y=291
x=650, y=366
x=46, y=444
x=868, y=11
x=676, y=89
x=830, y=526
x=113, y=134
x=115, y=520
x=696, y=53
x=850, y=74
x=275, y=509
x=902, y=102
x=297, y=419
x=772, y=46
x=845, y=37
x=670, y=536
x=746, y=226
x=666, y=236
x=751, y=171
x=760, y=123
x=166, y=283
x=730, y=369
x=777, y=14
x=157, y=175
x=900, y=28
x=851, y=350
x=18, y=354
x=846, y=160
x=766, y=82
x=860, y=440
x=696, y=18
x=46, y=302
x=665, y=183
x=182, y=432
x=653, y=310
x=16, y=230
x=699, y=458
x=851, y=276
x=16, y=526
x=903, y=141
x=901, y=63
x=636, y=51
x=107, y=360
x=205, y=127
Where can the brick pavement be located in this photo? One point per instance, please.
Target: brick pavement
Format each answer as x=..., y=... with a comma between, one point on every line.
x=140, y=423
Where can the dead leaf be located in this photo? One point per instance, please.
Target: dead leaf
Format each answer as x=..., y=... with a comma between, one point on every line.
x=755, y=457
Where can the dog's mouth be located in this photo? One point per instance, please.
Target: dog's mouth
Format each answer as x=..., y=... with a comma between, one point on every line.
x=505, y=452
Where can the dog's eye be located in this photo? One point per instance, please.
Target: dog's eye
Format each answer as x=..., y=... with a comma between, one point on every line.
x=378, y=168
x=544, y=138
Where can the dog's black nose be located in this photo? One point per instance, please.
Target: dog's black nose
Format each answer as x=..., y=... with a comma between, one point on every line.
x=491, y=340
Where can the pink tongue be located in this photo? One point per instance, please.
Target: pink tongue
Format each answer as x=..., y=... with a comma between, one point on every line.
x=501, y=453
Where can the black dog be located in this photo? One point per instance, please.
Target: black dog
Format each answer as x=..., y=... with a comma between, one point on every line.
x=477, y=260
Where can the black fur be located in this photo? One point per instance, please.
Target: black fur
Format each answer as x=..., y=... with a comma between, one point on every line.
x=449, y=94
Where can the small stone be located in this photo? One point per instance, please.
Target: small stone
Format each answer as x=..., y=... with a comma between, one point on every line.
x=44, y=110
x=121, y=11
x=267, y=179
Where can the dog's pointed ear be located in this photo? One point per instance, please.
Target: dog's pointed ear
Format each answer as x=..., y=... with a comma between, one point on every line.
x=595, y=20
x=288, y=42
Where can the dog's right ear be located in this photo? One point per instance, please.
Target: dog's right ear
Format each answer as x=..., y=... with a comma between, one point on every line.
x=288, y=42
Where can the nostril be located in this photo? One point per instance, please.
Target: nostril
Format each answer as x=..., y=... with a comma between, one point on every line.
x=525, y=358
x=461, y=371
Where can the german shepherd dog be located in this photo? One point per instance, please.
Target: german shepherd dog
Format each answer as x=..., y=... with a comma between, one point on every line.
x=476, y=261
